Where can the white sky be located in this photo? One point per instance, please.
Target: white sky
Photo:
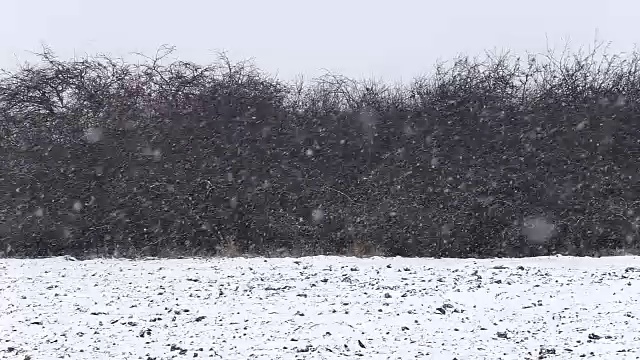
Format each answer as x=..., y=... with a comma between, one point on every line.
x=395, y=40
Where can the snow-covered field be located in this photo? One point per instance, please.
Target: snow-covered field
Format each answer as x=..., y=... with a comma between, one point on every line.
x=321, y=308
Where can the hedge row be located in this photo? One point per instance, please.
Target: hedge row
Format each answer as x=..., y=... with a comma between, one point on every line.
x=494, y=156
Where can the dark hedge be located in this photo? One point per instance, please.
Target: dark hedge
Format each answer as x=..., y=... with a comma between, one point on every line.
x=494, y=156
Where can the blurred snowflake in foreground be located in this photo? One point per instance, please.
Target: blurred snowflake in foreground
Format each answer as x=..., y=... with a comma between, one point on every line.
x=537, y=230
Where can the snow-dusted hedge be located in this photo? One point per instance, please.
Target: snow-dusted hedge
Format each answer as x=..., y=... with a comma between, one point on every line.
x=499, y=156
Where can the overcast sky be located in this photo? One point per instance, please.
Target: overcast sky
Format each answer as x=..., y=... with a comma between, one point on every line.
x=395, y=40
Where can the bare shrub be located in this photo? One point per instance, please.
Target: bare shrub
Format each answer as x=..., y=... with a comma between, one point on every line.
x=168, y=158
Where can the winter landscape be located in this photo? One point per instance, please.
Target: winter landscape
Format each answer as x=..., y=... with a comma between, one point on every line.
x=320, y=308
x=156, y=206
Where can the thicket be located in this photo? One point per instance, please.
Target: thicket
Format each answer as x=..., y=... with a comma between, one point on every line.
x=493, y=156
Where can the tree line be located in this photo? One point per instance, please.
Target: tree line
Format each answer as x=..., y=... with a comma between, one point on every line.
x=494, y=156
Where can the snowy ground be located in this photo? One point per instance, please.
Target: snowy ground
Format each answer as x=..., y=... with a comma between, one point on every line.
x=321, y=308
